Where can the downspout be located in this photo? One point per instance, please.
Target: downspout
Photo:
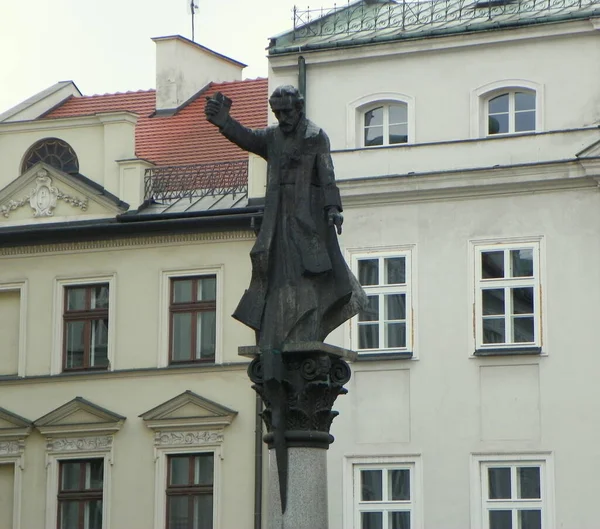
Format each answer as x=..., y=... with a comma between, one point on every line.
x=302, y=78
x=258, y=465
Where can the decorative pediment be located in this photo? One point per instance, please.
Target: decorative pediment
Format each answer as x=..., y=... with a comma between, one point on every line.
x=79, y=416
x=45, y=192
x=188, y=410
x=13, y=431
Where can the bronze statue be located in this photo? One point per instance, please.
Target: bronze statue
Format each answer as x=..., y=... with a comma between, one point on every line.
x=301, y=287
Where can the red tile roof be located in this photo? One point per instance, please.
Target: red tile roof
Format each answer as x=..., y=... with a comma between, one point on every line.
x=185, y=137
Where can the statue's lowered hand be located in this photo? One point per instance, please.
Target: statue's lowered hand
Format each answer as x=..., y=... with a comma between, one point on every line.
x=335, y=218
x=217, y=109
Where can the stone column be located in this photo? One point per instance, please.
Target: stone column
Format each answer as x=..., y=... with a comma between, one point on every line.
x=298, y=386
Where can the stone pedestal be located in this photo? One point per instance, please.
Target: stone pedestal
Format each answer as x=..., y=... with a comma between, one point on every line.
x=298, y=386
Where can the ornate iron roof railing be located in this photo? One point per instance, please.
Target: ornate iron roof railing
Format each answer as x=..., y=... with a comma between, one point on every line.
x=411, y=16
x=195, y=181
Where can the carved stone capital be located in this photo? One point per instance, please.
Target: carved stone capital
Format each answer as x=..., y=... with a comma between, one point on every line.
x=101, y=443
x=197, y=438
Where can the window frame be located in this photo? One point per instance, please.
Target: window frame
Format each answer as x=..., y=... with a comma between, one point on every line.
x=480, y=284
x=385, y=105
x=21, y=287
x=512, y=111
x=164, y=334
x=407, y=288
x=18, y=463
x=57, y=362
x=353, y=466
x=481, y=504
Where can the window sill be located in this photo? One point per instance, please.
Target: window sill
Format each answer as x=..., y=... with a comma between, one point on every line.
x=513, y=351
x=372, y=357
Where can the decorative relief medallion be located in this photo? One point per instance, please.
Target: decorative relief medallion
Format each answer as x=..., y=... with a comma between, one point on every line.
x=43, y=198
x=187, y=438
x=80, y=444
x=9, y=448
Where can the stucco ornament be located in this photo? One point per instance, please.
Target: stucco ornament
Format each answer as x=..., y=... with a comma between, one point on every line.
x=188, y=438
x=80, y=444
x=9, y=447
x=43, y=198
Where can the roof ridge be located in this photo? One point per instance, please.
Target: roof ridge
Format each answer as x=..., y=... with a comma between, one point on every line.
x=128, y=92
x=256, y=79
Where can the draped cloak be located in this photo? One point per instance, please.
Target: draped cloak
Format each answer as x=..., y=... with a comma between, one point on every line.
x=301, y=287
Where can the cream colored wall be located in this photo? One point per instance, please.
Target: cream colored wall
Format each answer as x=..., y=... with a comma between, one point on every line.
x=7, y=476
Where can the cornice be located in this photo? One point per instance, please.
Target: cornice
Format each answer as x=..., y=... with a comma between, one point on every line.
x=50, y=124
x=127, y=243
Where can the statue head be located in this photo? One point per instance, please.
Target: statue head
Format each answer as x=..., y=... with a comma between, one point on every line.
x=288, y=106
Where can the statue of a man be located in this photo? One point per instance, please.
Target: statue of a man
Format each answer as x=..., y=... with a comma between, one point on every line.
x=301, y=288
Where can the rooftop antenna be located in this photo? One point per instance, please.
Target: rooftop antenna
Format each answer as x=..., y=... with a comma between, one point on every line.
x=192, y=7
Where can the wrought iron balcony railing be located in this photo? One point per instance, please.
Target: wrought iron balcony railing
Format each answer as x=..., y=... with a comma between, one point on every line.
x=162, y=184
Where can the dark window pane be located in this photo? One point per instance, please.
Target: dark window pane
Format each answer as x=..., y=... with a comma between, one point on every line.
x=395, y=270
x=522, y=300
x=501, y=520
x=368, y=336
x=374, y=117
x=398, y=114
x=207, y=289
x=395, y=306
x=398, y=134
x=399, y=520
x=521, y=262
x=493, y=330
x=498, y=124
x=371, y=485
x=492, y=265
x=373, y=136
x=528, y=482
x=371, y=520
x=203, y=512
x=499, y=483
x=94, y=473
x=203, y=469
x=371, y=311
x=75, y=344
x=76, y=298
x=368, y=272
x=399, y=484
x=498, y=104
x=99, y=343
x=99, y=297
x=524, y=101
x=523, y=330
x=180, y=470
x=492, y=301
x=206, y=335
x=395, y=334
x=68, y=515
x=182, y=336
x=182, y=291
x=71, y=475
x=524, y=121
x=93, y=514
x=178, y=512
x=530, y=519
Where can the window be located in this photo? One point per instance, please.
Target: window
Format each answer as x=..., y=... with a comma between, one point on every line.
x=508, y=296
x=514, y=492
x=385, y=325
x=190, y=491
x=386, y=125
x=81, y=483
x=512, y=112
x=54, y=152
x=192, y=320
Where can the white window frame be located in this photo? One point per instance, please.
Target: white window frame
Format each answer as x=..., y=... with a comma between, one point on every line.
x=482, y=95
x=477, y=247
x=357, y=108
x=160, y=479
x=18, y=461
x=479, y=486
x=408, y=253
x=351, y=480
x=52, y=473
x=164, y=301
x=21, y=287
x=56, y=364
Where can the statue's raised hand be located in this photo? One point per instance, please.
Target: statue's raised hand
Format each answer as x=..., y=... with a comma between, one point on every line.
x=217, y=109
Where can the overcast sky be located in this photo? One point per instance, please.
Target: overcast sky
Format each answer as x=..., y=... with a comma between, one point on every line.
x=104, y=45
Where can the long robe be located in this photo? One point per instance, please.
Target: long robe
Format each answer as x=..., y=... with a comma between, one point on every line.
x=301, y=287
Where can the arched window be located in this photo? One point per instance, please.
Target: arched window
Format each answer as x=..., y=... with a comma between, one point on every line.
x=54, y=152
x=386, y=124
x=511, y=112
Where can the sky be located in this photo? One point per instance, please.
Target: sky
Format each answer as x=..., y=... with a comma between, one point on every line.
x=104, y=46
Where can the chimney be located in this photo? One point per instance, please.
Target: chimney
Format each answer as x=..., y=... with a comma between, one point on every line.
x=183, y=68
